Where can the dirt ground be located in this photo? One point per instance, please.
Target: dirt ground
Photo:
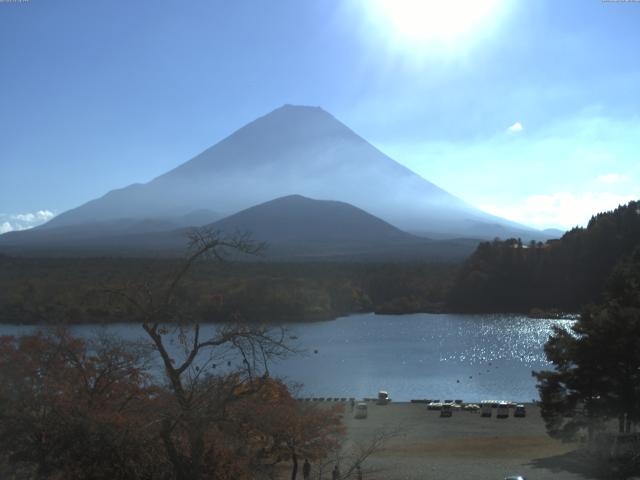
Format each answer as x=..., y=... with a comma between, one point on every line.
x=465, y=446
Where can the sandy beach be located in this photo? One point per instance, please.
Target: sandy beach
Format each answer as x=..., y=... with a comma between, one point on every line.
x=465, y=445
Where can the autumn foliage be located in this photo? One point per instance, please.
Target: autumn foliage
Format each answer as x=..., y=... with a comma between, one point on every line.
x=77, y=409
x=71, y=409
x=282, y=429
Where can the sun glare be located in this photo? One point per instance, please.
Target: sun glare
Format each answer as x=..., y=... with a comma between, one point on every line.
x=422, y=22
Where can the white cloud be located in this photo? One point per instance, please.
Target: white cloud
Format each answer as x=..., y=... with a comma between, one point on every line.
x=23, y=221
x=519, y=176
x=611, y=178
x=515, y=128
x=25, y=217
x=562, y=210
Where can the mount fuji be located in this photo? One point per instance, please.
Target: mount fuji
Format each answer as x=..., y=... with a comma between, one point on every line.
x=294, y=150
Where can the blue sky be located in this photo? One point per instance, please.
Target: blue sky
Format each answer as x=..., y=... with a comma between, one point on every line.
x=97, y=95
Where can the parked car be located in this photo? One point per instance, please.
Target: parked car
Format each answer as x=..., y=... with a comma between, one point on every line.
x=520, y=411
x=361, y=410
x=515, y=477
x=446, y=411
x=502, y=411
x=436, y=405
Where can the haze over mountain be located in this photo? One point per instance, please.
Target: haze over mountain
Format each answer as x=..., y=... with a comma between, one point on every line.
x=296, y=150
x=296, y=226
x=293, y=227
x=297, y=219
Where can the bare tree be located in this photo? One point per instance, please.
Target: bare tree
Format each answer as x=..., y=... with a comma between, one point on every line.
x=199, y=399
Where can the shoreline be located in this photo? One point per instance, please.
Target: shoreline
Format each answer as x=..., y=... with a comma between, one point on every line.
x=319, y=318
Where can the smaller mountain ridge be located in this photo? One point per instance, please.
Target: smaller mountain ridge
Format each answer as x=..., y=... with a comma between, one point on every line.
x=296, y=227
x=295, y=218
x=293, y=227
x=553, y=232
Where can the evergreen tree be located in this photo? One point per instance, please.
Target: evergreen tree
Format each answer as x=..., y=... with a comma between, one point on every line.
x=597, y=363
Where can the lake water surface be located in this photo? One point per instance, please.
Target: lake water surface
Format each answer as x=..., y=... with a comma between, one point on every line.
x=448, y=356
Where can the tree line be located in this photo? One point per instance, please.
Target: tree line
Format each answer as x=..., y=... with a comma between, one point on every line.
x=66, y=290
x=565, y=274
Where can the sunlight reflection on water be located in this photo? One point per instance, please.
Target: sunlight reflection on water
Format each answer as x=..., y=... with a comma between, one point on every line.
x=470, y=357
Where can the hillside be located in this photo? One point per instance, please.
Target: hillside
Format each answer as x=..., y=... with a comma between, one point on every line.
x=564, y=274
x=294, y=227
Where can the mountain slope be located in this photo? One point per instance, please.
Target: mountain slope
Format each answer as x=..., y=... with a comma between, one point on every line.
x=295, y=218
x=293, y=150
x=294, y=227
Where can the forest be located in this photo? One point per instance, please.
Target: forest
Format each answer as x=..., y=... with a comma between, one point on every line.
x=564, y=274
x=57, y=290
x=559, y=276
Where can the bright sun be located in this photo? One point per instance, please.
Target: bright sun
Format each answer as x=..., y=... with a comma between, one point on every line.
x=431, y=21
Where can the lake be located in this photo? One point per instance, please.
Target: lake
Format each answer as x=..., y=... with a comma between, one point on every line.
x=446, y=356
